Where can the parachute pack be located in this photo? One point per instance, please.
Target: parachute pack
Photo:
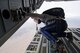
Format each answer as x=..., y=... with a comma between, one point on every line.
x=57, y=11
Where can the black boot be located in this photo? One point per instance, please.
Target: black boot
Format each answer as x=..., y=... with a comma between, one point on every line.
x=69, y=36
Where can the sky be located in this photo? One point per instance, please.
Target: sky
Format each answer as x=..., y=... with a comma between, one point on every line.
x=71, y=8
x=20, y=40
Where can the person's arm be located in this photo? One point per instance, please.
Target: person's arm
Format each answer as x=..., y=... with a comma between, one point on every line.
x=33, y=15
x=39, y=16
x=36, y=17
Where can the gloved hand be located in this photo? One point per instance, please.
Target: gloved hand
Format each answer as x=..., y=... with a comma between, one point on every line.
x=39, y=21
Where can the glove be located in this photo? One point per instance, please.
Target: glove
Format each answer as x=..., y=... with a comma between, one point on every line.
x=39, y=21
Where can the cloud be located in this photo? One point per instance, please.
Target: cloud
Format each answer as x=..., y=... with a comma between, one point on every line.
x=73, y=22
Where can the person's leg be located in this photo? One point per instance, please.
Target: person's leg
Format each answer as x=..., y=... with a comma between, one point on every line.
x=61, y=34
x=47, y=32
x=51, y=36
x=61, y=26
x=58, y=27
x=47, y=35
